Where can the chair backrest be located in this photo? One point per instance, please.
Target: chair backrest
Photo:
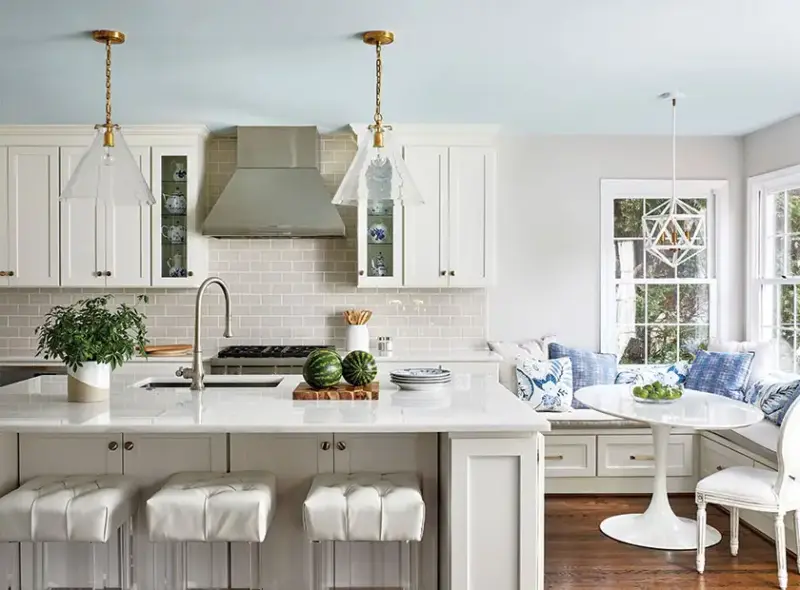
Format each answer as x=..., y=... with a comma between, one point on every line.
x=789, y=447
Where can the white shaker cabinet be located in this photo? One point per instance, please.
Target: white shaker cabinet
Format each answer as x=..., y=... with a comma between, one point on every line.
x=448, y=240
x=29, y=213
x=103, y=244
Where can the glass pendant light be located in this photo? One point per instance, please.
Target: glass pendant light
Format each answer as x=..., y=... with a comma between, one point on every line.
x=378, y=171
x=108, y=171
x=675, y=231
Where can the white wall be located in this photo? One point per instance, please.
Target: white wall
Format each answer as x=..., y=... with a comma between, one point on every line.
x=548, y=260
x=773, y=147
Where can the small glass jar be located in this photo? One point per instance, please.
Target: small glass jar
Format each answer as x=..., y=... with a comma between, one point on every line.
x=385, y=345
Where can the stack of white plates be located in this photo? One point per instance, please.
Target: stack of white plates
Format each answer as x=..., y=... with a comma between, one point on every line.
x=420, y=379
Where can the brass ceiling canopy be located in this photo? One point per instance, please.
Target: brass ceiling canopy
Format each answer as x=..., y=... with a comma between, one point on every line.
x=378, y=37
x=107, y=36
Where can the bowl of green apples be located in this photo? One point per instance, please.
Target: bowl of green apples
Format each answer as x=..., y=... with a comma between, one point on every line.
x=657, y=393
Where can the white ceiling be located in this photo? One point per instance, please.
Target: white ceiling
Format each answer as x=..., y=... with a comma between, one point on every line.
x=544, y=66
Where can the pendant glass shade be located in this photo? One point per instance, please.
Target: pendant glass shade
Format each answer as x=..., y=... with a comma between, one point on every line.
x=674, y=232
x=109, y=174
x=377, y=174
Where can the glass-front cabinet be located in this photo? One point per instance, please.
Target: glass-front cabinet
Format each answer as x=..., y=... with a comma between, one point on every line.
x=380, y=244
x=179, y=249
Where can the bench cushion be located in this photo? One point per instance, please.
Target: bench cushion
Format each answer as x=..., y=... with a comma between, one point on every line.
x=86, y=508
x=760, y=438
x=211, y=507
x=364, y=507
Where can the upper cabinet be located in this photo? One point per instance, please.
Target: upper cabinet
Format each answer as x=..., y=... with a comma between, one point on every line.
x=83, y=243
x=449, y=240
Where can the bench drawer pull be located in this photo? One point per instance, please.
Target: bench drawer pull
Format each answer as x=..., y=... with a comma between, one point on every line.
x=642, y=458
x=554, y=457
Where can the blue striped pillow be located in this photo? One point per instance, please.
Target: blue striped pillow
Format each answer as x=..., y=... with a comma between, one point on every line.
x=588, y=368
x=722, y=373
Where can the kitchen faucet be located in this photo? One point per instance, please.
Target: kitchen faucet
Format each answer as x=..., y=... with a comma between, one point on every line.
x=196, y=373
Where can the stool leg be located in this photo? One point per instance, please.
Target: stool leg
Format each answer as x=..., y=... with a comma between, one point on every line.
x=93, y=578
x=409, y=572
x=39, y=566
x=12, y=558
x=181, y=566
x=317, y=569
x=255, y=565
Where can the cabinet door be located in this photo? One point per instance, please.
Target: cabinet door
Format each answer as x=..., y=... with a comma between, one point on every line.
x=32, y=216
x=4, y=237
x=69, y=564
x=83, y=230
x=152, y=458
x=471, y=215
x=380, y=244
x=179, y=254
x=294, y=459
x=127, y=247
x=378, y=564
x=425, y=239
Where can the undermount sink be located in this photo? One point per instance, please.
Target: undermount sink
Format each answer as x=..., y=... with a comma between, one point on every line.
x=212, y=382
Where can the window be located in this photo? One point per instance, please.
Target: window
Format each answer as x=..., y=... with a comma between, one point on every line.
x=774, y=269
x=653, y=313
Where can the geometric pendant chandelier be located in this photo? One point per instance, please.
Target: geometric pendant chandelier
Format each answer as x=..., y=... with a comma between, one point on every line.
x=675, y=231
x=378, y=172
x=108, y=171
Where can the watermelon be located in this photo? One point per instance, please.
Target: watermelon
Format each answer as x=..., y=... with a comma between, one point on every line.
x=323, y=368
x=359, y=368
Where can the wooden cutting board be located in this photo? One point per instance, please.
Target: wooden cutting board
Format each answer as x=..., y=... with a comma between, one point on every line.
x=343, y=391
x=169, y=350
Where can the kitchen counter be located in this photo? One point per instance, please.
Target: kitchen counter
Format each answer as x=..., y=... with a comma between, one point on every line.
x=470, y=404
x=37, y=361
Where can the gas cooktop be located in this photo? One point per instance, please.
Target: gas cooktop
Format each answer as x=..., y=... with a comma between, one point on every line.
x=269, y=352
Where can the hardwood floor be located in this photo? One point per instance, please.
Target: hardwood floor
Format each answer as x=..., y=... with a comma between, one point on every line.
x=578, y=556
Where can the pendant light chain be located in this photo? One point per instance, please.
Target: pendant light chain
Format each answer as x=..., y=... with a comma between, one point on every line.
x=378, y=76
x=674, y=151
x=108, y=84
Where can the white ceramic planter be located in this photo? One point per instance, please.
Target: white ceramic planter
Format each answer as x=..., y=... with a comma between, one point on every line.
x=357, y=338
x=89, y=383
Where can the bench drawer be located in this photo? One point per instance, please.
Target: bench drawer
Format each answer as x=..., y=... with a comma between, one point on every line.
x=570, y=456
x=634, y=455
x=716, y=457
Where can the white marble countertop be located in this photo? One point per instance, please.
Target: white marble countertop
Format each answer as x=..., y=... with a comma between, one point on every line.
x=431, y=356
x=470, y=404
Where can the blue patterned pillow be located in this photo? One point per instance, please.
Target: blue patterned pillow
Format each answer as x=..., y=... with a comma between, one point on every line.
x=667, y=375
x=547, y=385
x=722, y=373
x=776, y=399
x=588, y=368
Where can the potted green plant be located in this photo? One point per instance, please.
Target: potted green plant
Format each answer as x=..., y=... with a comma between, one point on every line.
x=92, y=340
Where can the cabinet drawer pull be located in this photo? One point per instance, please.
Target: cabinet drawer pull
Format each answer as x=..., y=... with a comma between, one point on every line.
x=554, y=457
x=129, y=445
x=11, y=273
x=642, y=458
x=361, y=273
x=3, y=273
x=113, y=445
x=190, y=273
x=340, y=445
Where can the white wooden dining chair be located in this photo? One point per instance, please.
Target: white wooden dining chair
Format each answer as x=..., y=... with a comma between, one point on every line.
x=757, y=489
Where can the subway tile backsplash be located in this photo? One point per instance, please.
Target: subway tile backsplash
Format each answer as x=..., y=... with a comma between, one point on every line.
x=284, y=291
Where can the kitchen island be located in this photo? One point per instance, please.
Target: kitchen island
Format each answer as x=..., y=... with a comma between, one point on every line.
x=477, y=448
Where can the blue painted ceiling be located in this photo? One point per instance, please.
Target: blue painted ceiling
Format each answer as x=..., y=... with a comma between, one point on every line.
x=539, y=66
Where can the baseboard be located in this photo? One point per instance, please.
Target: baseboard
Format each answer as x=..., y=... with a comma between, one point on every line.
x=618, y=486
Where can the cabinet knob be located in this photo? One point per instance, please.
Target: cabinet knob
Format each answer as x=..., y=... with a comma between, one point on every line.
x=128, y=445
x=361, y=273
x=190, y=273
x=3, y=273
x=452, y=273
x=11, y=273
x=108, y=273
x=442, y=272
x=340, y=445
x=98, y=273
x=113, y=445
x=325, y=446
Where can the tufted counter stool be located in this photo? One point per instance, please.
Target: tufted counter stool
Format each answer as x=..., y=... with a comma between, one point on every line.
x=365, y=507
x=208, y=507
x=76, y=508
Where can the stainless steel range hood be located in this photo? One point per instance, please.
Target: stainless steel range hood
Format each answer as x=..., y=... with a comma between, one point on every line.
x=277, y=190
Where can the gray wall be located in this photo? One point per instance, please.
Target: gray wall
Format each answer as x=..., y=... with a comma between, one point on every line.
x=772, y=148
x=548, y=251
